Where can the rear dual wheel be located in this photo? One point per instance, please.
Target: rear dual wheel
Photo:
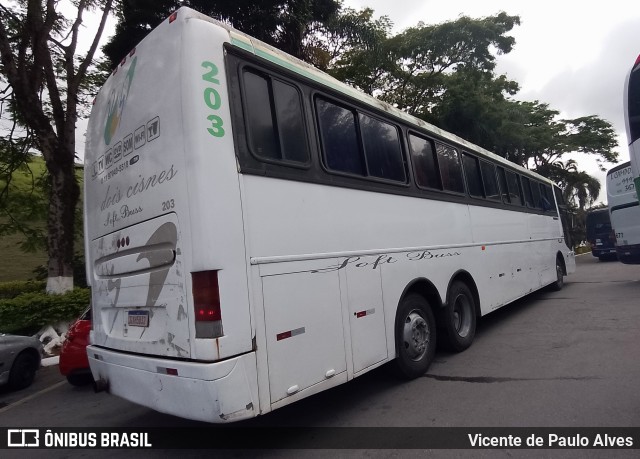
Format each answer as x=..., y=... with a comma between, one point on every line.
x=458, y=318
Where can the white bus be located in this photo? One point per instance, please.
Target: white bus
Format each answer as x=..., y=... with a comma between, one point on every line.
x=622, y=199
x=257, y=232
x=632, y=118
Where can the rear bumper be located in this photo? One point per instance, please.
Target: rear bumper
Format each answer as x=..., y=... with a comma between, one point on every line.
x=212, y=392
x=603, y=252
x=629, y=254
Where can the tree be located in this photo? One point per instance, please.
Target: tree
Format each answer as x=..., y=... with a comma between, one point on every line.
x=46, y=84
x=285, y=24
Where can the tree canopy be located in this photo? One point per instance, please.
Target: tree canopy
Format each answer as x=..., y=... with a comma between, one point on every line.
x=286, y=24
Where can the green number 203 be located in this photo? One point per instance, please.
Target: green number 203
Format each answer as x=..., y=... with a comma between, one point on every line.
x=212, y=99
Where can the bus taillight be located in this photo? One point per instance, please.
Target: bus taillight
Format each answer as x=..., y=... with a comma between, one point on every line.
x=206, y=302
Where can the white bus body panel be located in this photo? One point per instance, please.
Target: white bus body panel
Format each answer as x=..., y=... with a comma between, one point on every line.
x=148, y=114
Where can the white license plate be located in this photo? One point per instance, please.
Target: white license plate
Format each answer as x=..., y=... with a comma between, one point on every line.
x=138, y=318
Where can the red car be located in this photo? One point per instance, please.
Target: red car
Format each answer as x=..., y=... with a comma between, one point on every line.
x=74, y=363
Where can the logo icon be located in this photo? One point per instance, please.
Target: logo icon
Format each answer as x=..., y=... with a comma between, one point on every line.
x=117, y=99
x=23, y=438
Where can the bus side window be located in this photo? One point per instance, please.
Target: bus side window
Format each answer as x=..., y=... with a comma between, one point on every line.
x=515, y=194
x=504, y=189
x=526, y=191
x=339, y=138
x=546, y=198
x=382, y=149
x=425, y=163
x=450, y=168
x=491, y=189
x=274, y=119
x=472, y=174
x=535, y=192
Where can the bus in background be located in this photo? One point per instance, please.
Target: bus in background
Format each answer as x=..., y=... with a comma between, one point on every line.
x=258, y=232
x=632, y=118
x=624, y=212
x=600, y=235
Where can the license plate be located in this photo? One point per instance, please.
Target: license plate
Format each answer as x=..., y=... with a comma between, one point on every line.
x=138, y=318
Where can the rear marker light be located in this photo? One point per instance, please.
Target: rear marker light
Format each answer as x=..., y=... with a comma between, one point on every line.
x=206, y=303
x=289, y=334
x=173, y=17
x=132, y=52
x=368, y=312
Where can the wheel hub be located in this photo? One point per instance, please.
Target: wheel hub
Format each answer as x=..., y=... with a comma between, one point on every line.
x=415, y=335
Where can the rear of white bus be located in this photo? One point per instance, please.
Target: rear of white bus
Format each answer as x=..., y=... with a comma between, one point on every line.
x=164, y=233
x=624, y=210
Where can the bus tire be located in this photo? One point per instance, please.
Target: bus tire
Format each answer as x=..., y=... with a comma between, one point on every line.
x=557, y=285
x=459, y=318
x=415, y=331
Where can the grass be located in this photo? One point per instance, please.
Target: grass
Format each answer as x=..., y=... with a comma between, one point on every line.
x=17, y=264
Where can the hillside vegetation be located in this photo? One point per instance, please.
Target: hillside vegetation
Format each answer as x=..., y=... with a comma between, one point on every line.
x=25, y=190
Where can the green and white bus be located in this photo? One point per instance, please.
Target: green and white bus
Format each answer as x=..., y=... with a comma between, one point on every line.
x=258, y=232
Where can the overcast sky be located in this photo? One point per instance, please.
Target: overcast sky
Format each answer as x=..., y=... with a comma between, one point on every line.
x=571, y=54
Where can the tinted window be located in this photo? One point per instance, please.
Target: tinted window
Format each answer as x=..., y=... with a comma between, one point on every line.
x=546, y=198
x=450, y=168
x=490, y=181
x=472, y=173
x=339, y=138
x=382, y=149
x=274, y=119
x=502, y=179
x=514, y=189
x=262, y=135
x=290, y=122
x=633, y=105
x=526, y=189
x=424, y=162
x=535, y=191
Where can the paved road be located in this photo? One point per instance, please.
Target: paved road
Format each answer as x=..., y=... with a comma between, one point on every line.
x=568, y=358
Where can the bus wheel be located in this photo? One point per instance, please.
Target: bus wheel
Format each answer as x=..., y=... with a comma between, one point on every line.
x=459, y=318
x=559, y=282
x=415, y=336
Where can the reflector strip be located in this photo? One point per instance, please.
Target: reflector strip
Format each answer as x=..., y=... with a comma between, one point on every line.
x=289, y=334
x=168, y=371
x=367, y=312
